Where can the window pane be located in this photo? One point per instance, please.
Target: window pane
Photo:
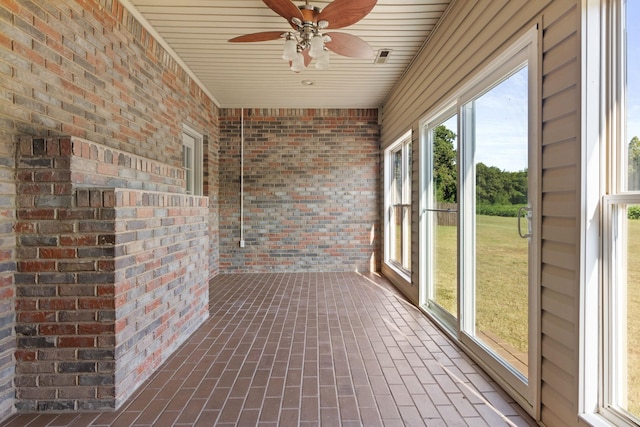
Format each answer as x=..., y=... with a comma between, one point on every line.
x=400, y=206
x=633, y=93
x=406, y=229
x=444, y=216
x=409, y=167
x=396, y=234
x=187, y=153
x=406, y=237
x=396, y=191
x=626, y=306
x=501, y=275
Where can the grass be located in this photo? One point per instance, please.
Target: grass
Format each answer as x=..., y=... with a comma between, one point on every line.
x=633, y=322
x=502, y=295
x=501, y=278
x=446, y=277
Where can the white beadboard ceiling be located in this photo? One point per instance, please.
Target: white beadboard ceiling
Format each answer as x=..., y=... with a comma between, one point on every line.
x=254, y=74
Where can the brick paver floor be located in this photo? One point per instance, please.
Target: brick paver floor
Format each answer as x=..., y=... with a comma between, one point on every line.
x=309, y=349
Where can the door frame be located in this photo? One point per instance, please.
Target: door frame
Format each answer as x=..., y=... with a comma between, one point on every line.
x=528, y=395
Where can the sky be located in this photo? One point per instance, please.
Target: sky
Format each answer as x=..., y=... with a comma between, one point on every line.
x=501, y=124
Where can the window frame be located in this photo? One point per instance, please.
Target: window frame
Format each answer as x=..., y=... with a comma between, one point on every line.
x=193, y=141
x=617, y=195
x=604, y=195
x=427, y=127
x=404, y=144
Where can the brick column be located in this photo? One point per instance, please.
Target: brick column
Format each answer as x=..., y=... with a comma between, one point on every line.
x=65, y=285
x=110, y=281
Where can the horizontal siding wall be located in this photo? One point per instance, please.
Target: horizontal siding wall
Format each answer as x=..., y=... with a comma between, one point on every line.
x=469, y=37
x=560, y=209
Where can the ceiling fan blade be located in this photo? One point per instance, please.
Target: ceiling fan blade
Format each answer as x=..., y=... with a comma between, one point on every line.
x=349, y=45
x=284, y=8
x=257, y=37
x=342, y=13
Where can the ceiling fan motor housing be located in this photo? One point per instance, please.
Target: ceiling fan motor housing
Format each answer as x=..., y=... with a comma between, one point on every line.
x=308, y=26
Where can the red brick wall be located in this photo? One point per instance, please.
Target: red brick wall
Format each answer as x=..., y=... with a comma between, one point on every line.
x=87, y=68
x=162, y=280
x=110, y=279
x=311, y=188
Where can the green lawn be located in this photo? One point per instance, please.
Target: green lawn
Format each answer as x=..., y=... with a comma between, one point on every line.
x=633, y=322
x=501, y=280
x=501, y=296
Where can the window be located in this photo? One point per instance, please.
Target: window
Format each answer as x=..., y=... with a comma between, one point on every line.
x=621, y=296
x=192, y=160
x=617, y=386
x=398, y=204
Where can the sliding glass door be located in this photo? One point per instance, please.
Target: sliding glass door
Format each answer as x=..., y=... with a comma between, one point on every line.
x=478, y=217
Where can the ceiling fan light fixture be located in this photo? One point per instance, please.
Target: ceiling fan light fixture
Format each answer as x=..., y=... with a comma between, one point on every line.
x=290, y=49
x=306, y=41
x=322, y=63
x=316, y=46
x=297, y=64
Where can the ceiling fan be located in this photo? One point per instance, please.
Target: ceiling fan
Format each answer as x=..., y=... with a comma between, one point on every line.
x=308, y=39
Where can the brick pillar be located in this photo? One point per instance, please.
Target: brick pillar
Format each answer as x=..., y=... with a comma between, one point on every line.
x=65, y=284
x=112, y=272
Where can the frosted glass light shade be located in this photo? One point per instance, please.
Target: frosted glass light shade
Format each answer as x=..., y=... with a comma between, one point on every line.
x=316, y=48
x=297, y=64
x=290, y=50
x=322, y=63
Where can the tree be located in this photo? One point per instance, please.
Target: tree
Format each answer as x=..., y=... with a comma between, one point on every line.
x=498, y=187
x=634, y=164
x=444, y=165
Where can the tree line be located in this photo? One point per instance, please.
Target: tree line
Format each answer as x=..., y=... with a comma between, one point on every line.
x=498, y=192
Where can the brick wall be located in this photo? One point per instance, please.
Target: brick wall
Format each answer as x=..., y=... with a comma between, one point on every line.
x=162, y=280
x=87, y=68
x=311, y=188
x=110, y=279
x=7, y=270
